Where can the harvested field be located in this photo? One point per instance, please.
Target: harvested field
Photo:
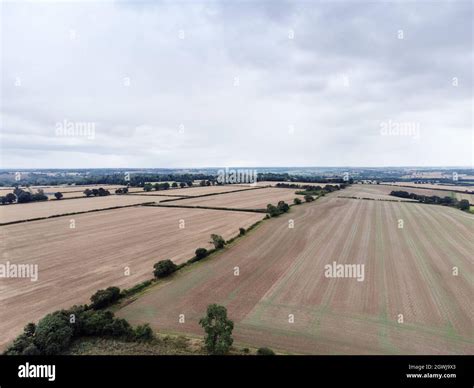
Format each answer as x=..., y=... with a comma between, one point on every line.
x=383, y=191
x=26, y=211
x=433, y=186
x=194, y=191
x=274, y=183
x=75, y=263
x=248, y=199
x=282, y=275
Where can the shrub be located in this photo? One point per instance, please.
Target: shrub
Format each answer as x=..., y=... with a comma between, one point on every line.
x=104, y=298
x=24, y=197
x=273, y=211
x=241, y=231
x=10, y=197
x=297, y=201
x=308, y=198
x=464, y=204
x=201, y=253
x=283, y=206
x=58, y=195
x=164, y=268
x=143, y=333
x=265, y=352
x=218, y=241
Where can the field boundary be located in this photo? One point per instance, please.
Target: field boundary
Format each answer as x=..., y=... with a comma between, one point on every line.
x=72, y=214
x=154, y=204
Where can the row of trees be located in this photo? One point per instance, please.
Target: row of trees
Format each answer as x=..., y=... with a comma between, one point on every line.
x=21, y=196
x=100, y=192
x=275, y=211
x=433, y=199
x=56, y=331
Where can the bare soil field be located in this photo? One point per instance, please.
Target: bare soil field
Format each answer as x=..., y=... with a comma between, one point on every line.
x=248, y=199
x=432, y=186
x=193, y=191
x=274, y=183
x=75, y=263
x=25, y=211
x=282, y=298
x=383, y=191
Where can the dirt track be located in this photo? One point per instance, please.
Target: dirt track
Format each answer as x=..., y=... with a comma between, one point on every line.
x=407, y=271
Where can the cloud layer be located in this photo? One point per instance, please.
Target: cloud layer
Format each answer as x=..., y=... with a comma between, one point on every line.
x=237, y=83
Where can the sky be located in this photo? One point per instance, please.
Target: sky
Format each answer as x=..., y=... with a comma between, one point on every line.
x=236, y=83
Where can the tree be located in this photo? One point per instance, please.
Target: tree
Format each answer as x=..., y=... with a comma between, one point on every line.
x=308, y=198
x=201, y=253
x=24, y=197
x=241, y=231
x=87, y=192
x=58, y=195
x=147, y=187
x=464, y=204
x=174, y=184
x=182, y=184
x=273, y=211
x=95, y=192
x=104, y=298
x=297, y=201
x=3, y=200
x=218, y=329
x=53, y=334
x=10, y=197
x=218, y=241
x=202, y=183
x=190, y=183
x=164, y=268
x=283, y=206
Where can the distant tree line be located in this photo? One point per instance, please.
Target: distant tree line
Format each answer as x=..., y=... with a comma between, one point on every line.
x=433, y=199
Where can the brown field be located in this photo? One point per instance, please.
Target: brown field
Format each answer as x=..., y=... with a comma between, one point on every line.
x=193, y=191
x=249, y=199
x=433, y=186
x=274, y=183
x=74, y=263
x=25, y=211
x=383, y=191
x=407, y=271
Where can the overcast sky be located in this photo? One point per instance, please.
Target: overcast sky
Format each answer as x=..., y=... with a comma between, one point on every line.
x=236, y=83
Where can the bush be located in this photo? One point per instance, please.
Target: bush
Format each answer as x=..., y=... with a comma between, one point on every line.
x=283, y=206
x=241, y=231
x=143, y=333
x=164, y=268
x=464, y=204
x=24, y=197
x=265, y=352
x=218, y=241
x=308, y=198
x=58, y=195
x=273, y=211
x=201, y=253
x=297, y=201
x=104, y=298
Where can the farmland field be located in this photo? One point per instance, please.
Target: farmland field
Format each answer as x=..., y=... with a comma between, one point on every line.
x=17, y=212
x=383, y=191
x=408, y=271
x=193, y=191
x=74, y=263
x=248, y=199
